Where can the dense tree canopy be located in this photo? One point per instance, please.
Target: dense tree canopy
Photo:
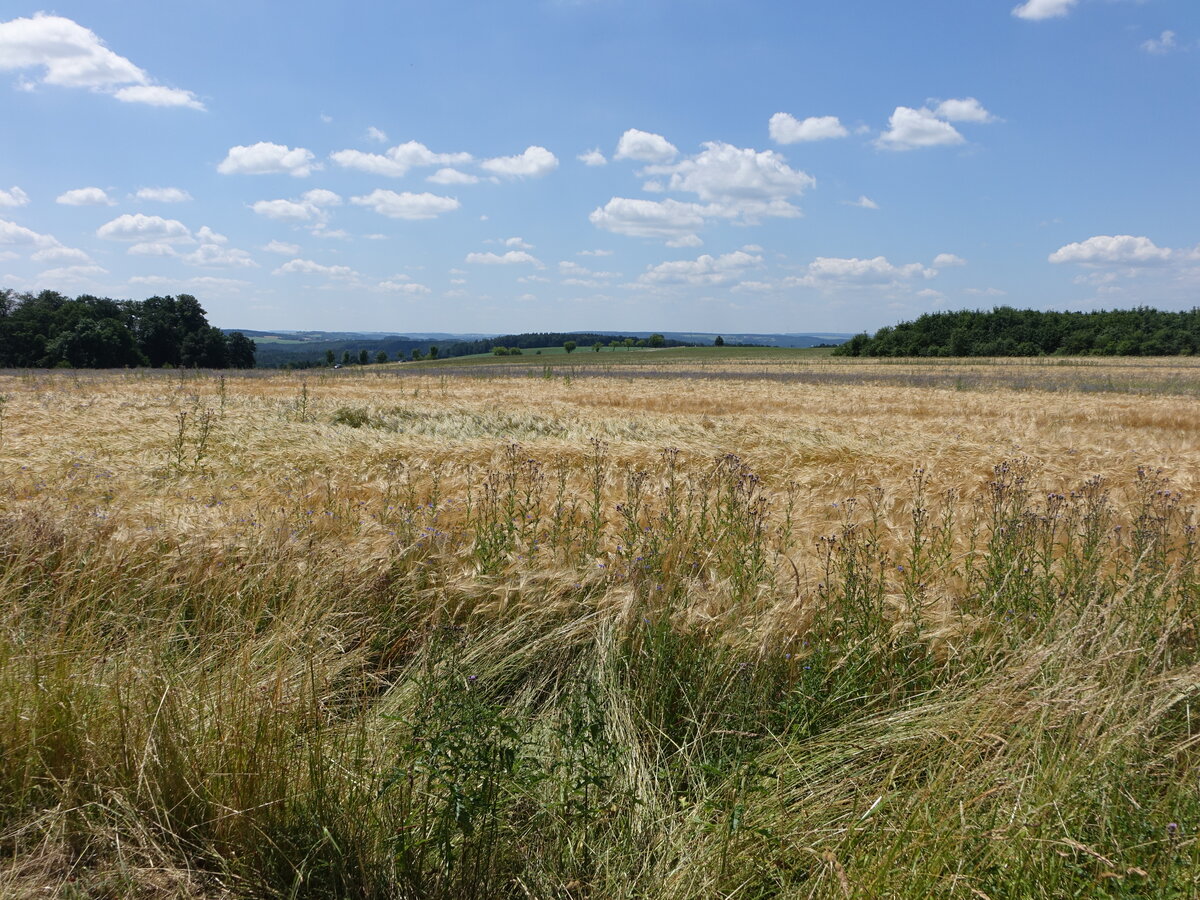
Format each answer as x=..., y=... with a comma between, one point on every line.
x=48, y=329
x=1024, y=332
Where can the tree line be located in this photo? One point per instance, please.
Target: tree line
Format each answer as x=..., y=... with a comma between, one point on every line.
x=349, y=351
x=48, y=330
x=1005, y=331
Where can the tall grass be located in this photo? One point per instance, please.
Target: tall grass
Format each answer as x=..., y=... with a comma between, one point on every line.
x=568, y=671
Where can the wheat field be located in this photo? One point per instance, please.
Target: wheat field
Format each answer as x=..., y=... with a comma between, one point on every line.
x=754, y=627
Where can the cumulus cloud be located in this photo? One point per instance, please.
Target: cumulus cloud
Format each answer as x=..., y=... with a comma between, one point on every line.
x=72, y=56
x=376, y=134
x=164, y=195
x=406, y=205
x=265, y=158
x=87, y=196
x=403, y=287
x=396, y=162
x=909, y=129
x=60, y=254
x=311, y=206
x=704, y=270
x=738, y=183
x=663, y=219
x=309, y=267
x=787, y=129
x=863, y=202
x=13, y=197
x=70, y=274
x=1119, y=249
x=947, y=261
x=968, y=109
x=830, y=272
x=452, y=176
x=592, y=157
x=282, y=248
x=12, y=233
x=534, y=162
x=138, y=227
x=1164, y=43
x=518, y=243
x=645, y=147
x=158, y=95
x=1036, y=10
x=511, y=258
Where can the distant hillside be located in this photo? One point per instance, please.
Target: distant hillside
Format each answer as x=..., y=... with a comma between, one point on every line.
x=311, y=348
x=307, y=348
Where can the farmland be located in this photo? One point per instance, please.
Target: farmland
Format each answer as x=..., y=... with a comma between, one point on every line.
x=678, y=623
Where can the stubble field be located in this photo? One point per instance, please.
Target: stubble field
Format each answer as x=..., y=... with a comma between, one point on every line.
x=744, y=625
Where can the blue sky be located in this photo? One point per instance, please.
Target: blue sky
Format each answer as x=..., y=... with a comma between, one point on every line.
x=658, y=165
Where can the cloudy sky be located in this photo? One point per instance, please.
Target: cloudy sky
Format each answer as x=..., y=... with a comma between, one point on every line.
x=714, y=165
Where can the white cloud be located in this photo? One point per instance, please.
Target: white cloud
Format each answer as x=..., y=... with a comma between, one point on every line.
x=13, y=197
x=1043, y=9
x=645, y=147
x=396, y=162
x=164, y=195
x=738, y=182
x=72, y=273
x=452, y=176
x=592, y=157
x=197, y=283
x=376, y=134
x=403, y=287
x=281, y=248
x=153, y=248
x=12, y=233
x=511, y=258
x=60, y=254
x=830, y=272
x=787, y=129
x=87, y=196
x=309, y=208
x=947, y=261
x=308, y=267
x=158, y=95
x=265, y=158
x=217, y=256
x=1120, y=249
x=518, y=243
x=1164, y=43
x=138, y=227
x=704, y=270
x=74, y=57
x=910, y=129
x=663, y=219
x=594, y=253
x=968, y=109
x=406, y=205
x=285, y=210
x=864, y=202
x=534, y=162
x=687, y=240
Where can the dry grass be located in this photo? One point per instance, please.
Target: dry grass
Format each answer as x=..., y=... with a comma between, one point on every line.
x=753, y=633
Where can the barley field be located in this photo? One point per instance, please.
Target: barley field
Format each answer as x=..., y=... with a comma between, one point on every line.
x=744, y=625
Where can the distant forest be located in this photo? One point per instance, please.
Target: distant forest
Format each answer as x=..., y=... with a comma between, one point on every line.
x=1024, y=332
x=47, y=330
x=315, y=353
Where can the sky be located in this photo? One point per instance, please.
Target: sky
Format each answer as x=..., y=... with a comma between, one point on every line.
x=646, y=165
